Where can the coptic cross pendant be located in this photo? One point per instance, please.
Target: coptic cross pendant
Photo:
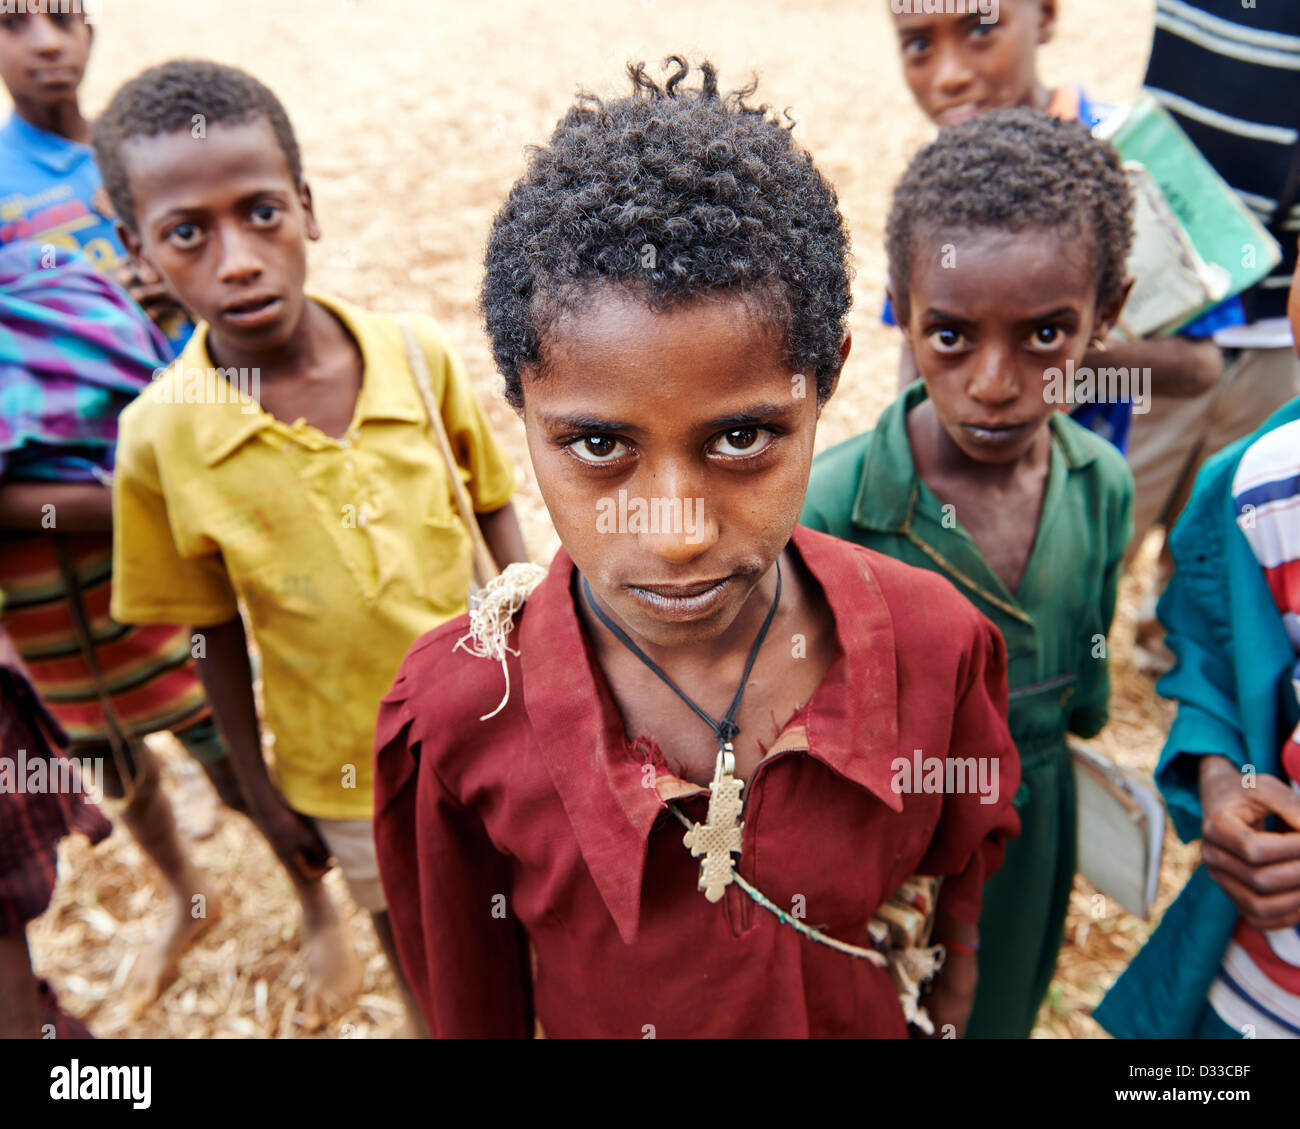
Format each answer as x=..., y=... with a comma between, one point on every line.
x=719, y=838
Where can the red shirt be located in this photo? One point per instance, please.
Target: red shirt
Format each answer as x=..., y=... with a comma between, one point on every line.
x=539, y=825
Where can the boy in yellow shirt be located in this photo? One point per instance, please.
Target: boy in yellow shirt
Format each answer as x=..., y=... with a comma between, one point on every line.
x=285, y=461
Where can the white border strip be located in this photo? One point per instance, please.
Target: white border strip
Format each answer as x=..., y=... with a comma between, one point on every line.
x=1228, y=28
x=1256, y=131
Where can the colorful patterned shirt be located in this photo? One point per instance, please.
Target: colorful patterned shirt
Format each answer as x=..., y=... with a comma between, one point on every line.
x=74, y=351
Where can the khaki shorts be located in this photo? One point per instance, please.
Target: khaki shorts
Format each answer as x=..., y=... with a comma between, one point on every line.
x=352, y=843
x=1168, y=444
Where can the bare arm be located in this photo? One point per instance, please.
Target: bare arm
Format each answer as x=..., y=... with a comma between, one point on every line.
x=1180, y=366
x=20, y=1003
x=953, y=994
x=77, y=507
x=504, y=537
x=227, y=677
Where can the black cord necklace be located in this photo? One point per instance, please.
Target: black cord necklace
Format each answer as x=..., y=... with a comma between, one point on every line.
x=726, y=729
x=719, y=838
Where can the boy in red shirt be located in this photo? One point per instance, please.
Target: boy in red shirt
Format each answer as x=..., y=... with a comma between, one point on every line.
x=666, y=292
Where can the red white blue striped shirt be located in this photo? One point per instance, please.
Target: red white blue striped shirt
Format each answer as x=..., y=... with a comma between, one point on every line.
x=1257, y=990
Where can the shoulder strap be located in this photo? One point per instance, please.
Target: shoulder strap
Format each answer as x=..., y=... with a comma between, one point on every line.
x=484, y=565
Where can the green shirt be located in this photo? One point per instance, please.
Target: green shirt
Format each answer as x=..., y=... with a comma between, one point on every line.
x=867, y=491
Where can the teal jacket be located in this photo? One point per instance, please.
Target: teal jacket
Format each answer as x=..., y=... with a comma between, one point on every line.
x=1232, y=682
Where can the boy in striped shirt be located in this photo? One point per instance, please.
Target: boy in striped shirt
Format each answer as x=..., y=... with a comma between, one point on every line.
x=1225, y=960
x=1258, y=984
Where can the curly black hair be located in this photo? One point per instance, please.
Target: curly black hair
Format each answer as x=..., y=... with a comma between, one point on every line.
x=167, y=99
x=677, y=192
x=1010, y=170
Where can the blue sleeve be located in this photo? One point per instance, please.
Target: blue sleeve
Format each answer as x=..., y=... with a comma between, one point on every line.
x=887, y=314
x=1111, y=422
x=1195, y=612
x=1223, y=316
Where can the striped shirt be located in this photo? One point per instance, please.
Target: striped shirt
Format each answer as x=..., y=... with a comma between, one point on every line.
x=1231, y=76
x=149, y=671
x=1258, y=985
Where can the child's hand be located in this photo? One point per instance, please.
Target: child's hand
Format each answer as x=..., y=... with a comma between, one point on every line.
x=1259, y=870
x=952, y=994
x=296, y=842
x=950, y=1003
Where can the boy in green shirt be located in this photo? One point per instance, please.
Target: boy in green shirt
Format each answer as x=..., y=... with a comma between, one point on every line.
x=959, y=65
x=1007, y=242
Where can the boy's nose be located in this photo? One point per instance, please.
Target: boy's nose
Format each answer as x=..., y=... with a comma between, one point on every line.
x=684, y=543
x=951, y=73
x=680, y=527
x=44, y=35
x=993, y=380
x=239, y=263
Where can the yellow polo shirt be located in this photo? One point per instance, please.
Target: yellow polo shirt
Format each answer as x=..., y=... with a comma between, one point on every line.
x=343, y=551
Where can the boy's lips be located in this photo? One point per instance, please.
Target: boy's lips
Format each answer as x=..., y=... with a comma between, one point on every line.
x=994, y=434
x=251, y=312
x=955, y=115
x=54, y=75
x=681, y=603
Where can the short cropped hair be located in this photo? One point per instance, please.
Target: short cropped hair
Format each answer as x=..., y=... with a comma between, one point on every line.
x=168, y=99
x=676, y=192
x=1011, y=170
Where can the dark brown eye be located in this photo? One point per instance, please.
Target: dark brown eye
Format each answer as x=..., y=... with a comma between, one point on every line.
x=946, y=340
x=597, y=449
x=742, y=441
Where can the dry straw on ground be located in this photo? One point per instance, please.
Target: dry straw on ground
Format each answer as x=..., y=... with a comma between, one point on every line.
x=413, y=118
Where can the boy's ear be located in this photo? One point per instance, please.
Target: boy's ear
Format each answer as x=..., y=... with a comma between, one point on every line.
x=526, y=373
x=1046, y=21
x=135, y=248
x=130, y=240
x=304, y=198
x=900, y=316
x=846, y=347
x=1108, y=315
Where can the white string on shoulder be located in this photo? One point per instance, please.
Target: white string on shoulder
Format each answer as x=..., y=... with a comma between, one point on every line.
x=492, y=611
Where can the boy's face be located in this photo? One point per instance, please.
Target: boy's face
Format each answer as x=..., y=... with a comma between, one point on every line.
x=958, y=67
x=988, y=313
x=672, y=450
x=43, y=57
x=220, y=218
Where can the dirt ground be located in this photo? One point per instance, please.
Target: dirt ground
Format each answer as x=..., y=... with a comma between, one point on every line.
x=412, y=117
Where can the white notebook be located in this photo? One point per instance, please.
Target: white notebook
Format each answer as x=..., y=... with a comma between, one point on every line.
x=1121, y=829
